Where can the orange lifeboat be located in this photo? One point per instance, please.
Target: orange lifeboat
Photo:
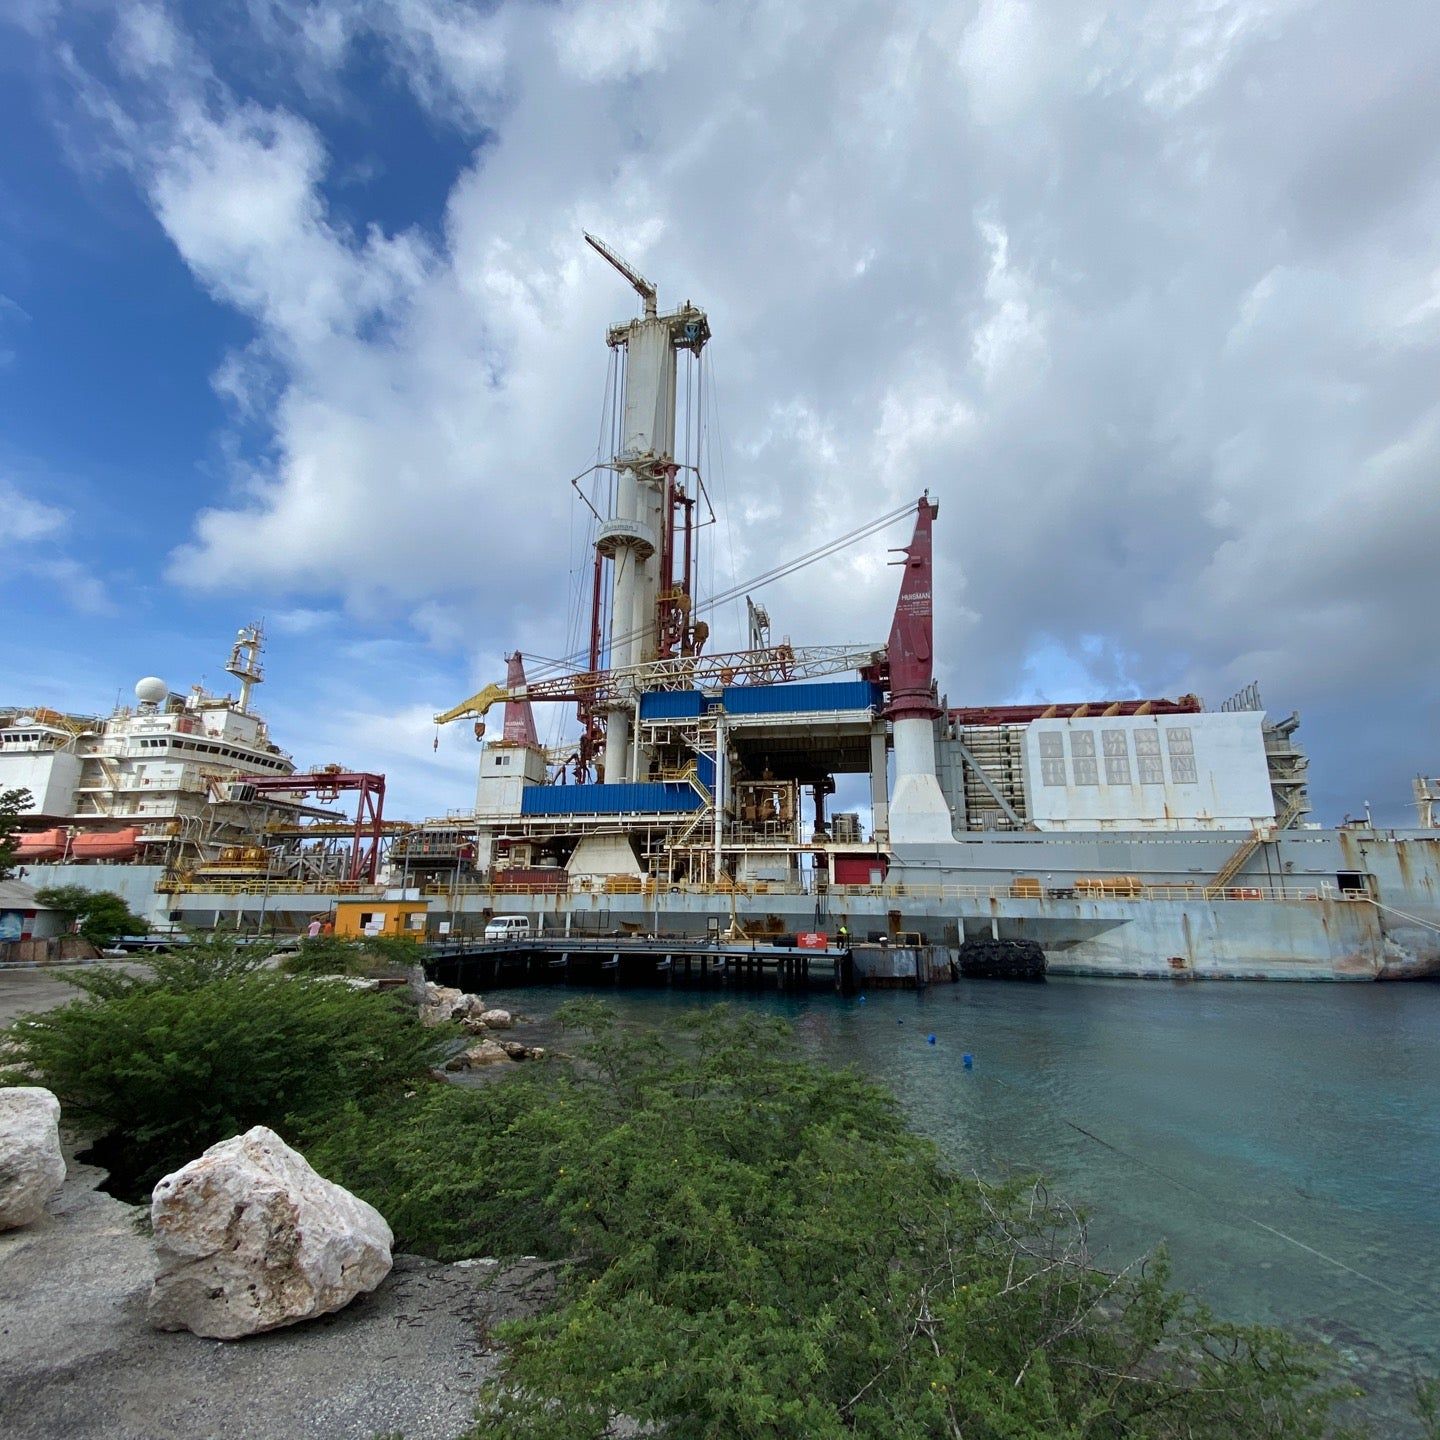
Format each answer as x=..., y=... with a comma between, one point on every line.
x=40, y=845
x=106, y=844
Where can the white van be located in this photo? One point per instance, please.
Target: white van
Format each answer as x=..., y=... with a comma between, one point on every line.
x=507, y=927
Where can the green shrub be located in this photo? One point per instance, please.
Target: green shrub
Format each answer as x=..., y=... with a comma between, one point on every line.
x=460, y=1172
x=759, y=1247
x=104, y=917
x=206, y=1045
x=332, y=955
x=13, y=803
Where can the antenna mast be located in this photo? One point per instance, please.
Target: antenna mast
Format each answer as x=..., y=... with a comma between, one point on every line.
x=245, y=662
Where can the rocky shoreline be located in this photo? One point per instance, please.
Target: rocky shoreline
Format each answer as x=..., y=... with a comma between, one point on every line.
x=81, y=1357
x=78, y=1357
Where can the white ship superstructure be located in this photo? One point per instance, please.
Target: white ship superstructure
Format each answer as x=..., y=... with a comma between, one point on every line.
x=161, y=781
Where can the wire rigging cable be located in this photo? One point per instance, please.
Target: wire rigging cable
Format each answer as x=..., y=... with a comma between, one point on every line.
x=768, y=577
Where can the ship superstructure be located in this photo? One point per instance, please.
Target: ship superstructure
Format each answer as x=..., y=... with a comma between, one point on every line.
x=714, y=773
x=191, y=783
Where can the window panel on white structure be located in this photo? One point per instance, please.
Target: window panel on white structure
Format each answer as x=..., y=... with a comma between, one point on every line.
x=1052, y=758
x=1182, y=754
x=1082, y=754
x=1117, y=758
x=1147, y=757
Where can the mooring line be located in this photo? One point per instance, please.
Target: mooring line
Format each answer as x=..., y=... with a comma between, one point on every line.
x=1240, y=1214
x=1209, y=1199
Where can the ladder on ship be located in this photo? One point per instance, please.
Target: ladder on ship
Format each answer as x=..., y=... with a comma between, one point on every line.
x=1241, y=858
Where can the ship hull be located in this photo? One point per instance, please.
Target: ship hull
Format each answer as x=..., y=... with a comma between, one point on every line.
x=1305, y=927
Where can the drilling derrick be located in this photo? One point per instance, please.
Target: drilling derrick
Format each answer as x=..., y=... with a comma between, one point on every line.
x=646, y=543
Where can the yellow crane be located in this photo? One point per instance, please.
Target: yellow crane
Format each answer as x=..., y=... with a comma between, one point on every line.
x=477, y=705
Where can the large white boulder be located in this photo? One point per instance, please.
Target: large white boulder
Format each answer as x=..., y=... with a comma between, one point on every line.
x=32, y=1168
x=250, y=1238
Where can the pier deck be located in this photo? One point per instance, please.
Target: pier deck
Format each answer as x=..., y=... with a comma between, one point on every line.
x=540, y=959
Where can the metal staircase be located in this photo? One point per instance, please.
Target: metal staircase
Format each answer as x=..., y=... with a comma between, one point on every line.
x=1241, y=857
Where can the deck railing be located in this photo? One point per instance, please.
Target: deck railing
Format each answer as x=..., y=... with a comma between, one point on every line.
x=649, y=891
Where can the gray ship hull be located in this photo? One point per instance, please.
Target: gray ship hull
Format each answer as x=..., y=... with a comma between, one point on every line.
x=1308, y=905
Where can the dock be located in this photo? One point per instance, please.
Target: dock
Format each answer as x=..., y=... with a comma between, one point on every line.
x=680, y=960
x=640, y=960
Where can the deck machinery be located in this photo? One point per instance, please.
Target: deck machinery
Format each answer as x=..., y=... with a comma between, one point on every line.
x=694, y=766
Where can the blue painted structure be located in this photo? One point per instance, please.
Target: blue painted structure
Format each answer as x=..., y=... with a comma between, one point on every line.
x=664, y=797
x=762, y=700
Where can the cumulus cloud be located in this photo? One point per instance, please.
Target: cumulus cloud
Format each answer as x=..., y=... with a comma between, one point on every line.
x=26, y=518
x=1147, y=296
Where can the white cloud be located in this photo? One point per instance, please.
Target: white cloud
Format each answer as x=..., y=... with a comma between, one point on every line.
x=1146, y=295
x=26, y=519
x=76, y=584
x=616, y=42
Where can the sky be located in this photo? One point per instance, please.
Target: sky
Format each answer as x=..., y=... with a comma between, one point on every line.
x=296, y=323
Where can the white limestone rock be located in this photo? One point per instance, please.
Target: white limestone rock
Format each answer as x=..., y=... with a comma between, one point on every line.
x=250, y=1238
x=498, y=1019
x=487, y=1052
x=32, y=1169
x=444, y=1002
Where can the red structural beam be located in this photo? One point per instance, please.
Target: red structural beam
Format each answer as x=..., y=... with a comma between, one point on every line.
x=912, y=630
x=369, y=808
x=1076, y=710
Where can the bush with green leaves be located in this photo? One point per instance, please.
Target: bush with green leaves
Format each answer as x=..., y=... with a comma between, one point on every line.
x=104, y=917
x=204, y=1044
x=336, y=955
x=757, y=1246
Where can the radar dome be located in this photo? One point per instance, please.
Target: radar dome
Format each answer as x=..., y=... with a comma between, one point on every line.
x=151, y=690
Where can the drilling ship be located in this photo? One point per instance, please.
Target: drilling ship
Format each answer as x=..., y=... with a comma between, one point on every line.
x=1135, y=837
x=700, y=793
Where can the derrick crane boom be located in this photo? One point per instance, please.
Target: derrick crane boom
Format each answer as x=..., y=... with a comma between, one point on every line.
x=772, y=665
x=476, y=705
x=643, y=287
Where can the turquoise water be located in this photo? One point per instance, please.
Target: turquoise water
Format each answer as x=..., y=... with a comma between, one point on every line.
x=1313, y=1110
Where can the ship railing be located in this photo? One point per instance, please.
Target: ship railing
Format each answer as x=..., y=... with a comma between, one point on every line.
x=623, y=887
x=1096, y=891
x=229, y=885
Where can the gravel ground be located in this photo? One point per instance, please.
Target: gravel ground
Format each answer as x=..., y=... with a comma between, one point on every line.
x=78, y=1360
x=26, y=987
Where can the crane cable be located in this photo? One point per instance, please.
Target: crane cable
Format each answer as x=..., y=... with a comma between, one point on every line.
x=768, y=577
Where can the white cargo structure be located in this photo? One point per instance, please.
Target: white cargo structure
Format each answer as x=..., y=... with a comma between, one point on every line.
x=41, y=758
x=1205, y=771
x=505, y=771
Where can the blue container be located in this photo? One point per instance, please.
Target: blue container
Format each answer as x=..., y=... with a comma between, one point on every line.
x=664, y=797
x=801, y=699
x=705, y=767
x=670, y=705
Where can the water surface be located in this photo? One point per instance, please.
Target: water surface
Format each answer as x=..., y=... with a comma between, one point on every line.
x=1217, y=1115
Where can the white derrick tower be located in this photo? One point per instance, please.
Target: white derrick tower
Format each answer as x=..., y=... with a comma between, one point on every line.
x=637, y=538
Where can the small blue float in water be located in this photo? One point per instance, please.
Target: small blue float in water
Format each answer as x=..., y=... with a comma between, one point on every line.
x=968, y=1061
x=929, y=1039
